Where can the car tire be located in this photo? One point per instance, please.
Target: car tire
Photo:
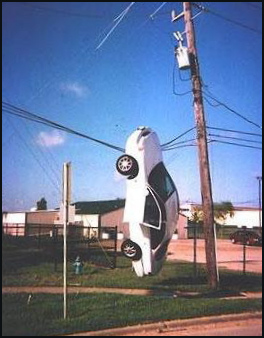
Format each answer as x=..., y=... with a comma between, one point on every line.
x=127, y=165
x=131, y=250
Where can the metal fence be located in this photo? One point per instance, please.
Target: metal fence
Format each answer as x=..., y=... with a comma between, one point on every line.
x=95, y=244
x=222, y=231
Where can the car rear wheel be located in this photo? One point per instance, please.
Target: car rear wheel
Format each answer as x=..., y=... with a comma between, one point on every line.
x=131, y=250
x=127, y=165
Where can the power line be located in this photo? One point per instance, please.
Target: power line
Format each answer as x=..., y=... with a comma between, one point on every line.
x=48, y=161
x=182, y=146
x=234, y=131
x=221, y=16
x=174, y=84
x=157, y=10
x=62, y=12
x=210, y=103
x=177, y=137
x=35, y=157
x=232, y=110
x=13, y=110
x=252, y=5
x=235, y=138
x=175, y=145
x=235, y=144
x=118, y=20
x=74, y=58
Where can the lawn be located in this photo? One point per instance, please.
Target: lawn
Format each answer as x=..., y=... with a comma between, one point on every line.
x=42, y=314
x=174, y=275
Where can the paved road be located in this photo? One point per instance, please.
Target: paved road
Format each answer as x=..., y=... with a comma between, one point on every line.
x=229, y=255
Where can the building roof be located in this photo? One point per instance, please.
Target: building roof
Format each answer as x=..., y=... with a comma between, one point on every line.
x=98, y=207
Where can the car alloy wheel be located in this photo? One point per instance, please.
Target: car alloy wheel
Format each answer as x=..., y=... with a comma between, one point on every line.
x=127, y=165
x=131, y=250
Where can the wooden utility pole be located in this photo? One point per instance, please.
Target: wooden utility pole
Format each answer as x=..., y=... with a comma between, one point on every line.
x=65, y=202
x=205, y=179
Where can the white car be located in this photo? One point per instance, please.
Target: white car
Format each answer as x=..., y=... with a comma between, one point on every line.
x=152, y=203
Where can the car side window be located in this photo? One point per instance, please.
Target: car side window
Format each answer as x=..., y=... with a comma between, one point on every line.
x=153, y=217
x=161, y=187
x=151, y=214
x=161, y=182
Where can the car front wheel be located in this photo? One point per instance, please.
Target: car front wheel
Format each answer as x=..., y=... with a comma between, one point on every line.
x=131, y=250
x=127, y=165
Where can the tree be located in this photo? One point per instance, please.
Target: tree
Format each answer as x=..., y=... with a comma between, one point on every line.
x=42, y=204
x=221, y=211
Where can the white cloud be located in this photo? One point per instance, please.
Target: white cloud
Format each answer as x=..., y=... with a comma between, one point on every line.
x=75, y=88
x=51, y=139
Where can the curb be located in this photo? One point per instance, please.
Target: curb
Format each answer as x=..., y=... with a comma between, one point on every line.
x=165, y=326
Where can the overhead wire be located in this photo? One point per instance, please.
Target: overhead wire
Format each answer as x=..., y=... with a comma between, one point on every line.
x=116, y=22
x=234, y=131
x=232, y=110
x=50, y=162
x=171, y=145
x=76, y=54
x=252, y=5
x=177, y=137
x=50, y=171
x=157, y=10
x=181, y=77
x=234, y=138
x=235, y=144
x=152, y=16
x=174, y=84
x=178, y=144
x=55, y=184
x=62, y=12
x=207, y=94
x=11, y=109
x=223, y=17
x=22, y=113
x=181, y=146
x=80, y=54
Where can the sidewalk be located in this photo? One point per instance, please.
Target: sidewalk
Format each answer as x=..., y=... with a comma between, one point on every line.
x=183, y=327
x=139, y=292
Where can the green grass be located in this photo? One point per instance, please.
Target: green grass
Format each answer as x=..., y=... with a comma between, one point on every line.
x=174, y=275
x=43, y=315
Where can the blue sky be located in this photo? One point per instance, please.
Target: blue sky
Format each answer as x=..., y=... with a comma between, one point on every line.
x=51, y=67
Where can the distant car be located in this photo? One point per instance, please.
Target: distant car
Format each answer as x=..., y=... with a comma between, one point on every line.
x=152, y=203
x=247, y=237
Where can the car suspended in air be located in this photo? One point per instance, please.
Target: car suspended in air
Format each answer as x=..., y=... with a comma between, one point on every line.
x=152, y=203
